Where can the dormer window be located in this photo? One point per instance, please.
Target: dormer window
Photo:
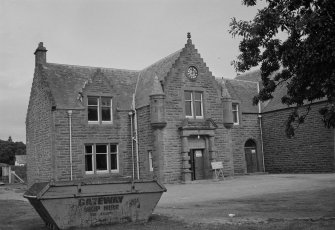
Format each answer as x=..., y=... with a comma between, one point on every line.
x=99, y=110
x=194, y=104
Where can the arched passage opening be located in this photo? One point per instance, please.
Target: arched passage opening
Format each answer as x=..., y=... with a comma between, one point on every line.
x=251, y=157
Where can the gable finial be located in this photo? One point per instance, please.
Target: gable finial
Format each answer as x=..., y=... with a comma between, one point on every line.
x=188, y=35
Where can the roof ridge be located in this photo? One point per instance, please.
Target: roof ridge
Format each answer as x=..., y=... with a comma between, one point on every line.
x=91, y=67
x=255, y=82
x=162, y=59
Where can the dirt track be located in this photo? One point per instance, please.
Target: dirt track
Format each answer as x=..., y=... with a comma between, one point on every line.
x=288, y=201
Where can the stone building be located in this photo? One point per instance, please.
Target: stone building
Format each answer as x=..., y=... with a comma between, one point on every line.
x=168, y=121
x=310, y=150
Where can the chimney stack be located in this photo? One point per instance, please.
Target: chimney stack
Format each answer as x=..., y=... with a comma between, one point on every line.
x=40, y=55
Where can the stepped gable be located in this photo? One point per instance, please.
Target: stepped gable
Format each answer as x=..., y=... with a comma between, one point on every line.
x=146, y=77
x=67, y=82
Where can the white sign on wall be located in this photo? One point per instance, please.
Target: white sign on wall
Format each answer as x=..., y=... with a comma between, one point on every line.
x=198, y=153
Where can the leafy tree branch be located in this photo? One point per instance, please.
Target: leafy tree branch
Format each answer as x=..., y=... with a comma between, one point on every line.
x=304, y=59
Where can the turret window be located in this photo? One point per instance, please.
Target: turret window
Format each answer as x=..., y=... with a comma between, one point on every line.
x=193, y=104
x=235, y=111
x=99, y=110
x=151, y=167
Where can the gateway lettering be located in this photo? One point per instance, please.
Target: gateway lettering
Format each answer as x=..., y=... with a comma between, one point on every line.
x=100, y=200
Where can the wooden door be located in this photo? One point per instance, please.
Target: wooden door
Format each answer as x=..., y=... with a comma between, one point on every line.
x=192, y=166
x=197, y=164
x=251, y=160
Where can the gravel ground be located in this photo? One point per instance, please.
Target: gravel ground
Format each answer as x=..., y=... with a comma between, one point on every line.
x=282, y=201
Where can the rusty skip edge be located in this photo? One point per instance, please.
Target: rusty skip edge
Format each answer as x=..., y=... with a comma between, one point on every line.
x=39, y=189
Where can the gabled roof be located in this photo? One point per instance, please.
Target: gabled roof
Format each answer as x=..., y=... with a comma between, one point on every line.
x=272, y=104
x=243, y=91
x=66, y=82
x=254, y=76
x=146, y=77
x=275, y=103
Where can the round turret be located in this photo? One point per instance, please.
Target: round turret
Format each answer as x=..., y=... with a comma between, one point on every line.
x=157, y=105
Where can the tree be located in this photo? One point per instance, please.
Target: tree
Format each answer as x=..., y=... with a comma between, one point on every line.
x=9, y=149
x=304, y=61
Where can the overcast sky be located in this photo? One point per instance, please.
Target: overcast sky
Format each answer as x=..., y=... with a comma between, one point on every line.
x=126, y=34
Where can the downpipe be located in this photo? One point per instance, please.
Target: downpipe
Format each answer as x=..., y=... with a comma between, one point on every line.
x=132, y=143
x=260, y=127
x=69, y=112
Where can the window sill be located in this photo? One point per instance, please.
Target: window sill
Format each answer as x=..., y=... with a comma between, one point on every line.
x=196, y=118
x=100, y=123
x=106, y=122
x=93, y=123
x=101, y=174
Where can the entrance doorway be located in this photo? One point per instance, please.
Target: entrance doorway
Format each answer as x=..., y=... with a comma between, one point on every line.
x=197, y=164
x=250, y=150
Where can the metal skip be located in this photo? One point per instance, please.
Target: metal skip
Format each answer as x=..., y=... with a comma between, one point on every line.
x=64, y=205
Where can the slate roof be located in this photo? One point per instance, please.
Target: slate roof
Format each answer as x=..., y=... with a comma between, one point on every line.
x=243, y=91
x=146, y=77
x=67, y=81
x=272, y=104
x=254, y=76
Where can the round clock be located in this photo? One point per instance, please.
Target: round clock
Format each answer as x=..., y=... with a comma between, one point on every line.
x=192, y=72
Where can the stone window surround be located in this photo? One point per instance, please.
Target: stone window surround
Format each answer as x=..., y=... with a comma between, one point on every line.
x=150, y=161
x=239, y=111
x=236, y=111
x=109, y=153
x=194, y=89
x=99, y=95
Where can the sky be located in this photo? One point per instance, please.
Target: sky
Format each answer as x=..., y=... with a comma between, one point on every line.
x=124, y=34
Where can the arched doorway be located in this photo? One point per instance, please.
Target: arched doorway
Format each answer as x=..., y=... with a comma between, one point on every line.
x=250, y=150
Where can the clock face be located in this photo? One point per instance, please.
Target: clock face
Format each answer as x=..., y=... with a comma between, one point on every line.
x=192, y=72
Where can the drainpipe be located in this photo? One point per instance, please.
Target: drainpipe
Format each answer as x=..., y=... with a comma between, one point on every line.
x=132, y=143
x=136, y=145
x=260, y=127
x=69, y=112
x=135, y=128
x=136, y=138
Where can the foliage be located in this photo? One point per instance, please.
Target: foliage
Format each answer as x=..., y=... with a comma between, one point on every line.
x=8, y=150
x=303, y=62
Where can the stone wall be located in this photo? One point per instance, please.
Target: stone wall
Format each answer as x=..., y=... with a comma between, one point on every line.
x=145, y=139
x=39, y=131
x=310, y=150
x=248, y=128
x=175, y=84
